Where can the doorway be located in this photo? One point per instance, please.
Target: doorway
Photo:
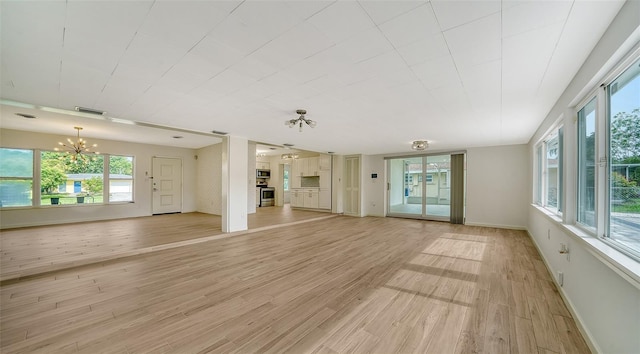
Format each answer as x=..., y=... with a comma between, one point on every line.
x=352, y=185
x=286, y=172
x=421, y=187
x=167, y=185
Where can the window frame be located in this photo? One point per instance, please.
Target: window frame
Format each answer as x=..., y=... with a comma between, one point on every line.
x=107, y=180
x=37, y=178
x=541, y=170
x=34, y=184
x=603, y=160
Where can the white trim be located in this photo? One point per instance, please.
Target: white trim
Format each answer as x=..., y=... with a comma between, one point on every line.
x=622, y=264
x=586, y=334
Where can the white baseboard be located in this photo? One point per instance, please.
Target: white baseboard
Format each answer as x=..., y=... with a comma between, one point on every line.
x=498, y=226
x=576, y=316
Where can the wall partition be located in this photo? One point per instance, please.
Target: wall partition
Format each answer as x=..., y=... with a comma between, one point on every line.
x=426, y=187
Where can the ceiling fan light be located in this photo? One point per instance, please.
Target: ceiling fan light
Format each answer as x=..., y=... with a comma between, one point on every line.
x=300, y=120
x=420, y=145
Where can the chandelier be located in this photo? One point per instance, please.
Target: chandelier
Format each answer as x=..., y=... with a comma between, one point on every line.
x=293, y=122
x=289, y=156
x=78, y=150
x=420, y=145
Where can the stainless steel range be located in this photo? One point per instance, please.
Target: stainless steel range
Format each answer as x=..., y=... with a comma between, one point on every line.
x=267, y=196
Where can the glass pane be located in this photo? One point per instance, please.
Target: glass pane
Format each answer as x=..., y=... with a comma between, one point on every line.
x=539, y=175
x=120, y=190
x=405, y=186
x=624, y=167
x=16, y=177
x=553, y=155
x=586, y=164
x=120, y=178
x=438, y=189
x=66, y=182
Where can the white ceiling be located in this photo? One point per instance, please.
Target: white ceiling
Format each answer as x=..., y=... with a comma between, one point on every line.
x=375, y=75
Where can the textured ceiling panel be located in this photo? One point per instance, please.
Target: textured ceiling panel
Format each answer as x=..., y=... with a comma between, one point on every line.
x=375, y=75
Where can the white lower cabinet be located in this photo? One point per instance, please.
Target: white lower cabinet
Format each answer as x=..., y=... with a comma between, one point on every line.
x=324, y=198
x=310, y=198
x=296, y=198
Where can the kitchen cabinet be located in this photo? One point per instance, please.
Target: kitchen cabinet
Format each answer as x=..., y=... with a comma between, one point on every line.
x=324, y=198
x=295, y=167
x=311, y=167
x=296, y=198
x=324, y=162
x=325, y=179
x=295, y=181
x=260, y=165
x=310, y=198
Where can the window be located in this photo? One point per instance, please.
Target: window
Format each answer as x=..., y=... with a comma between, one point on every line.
x=623, y=172
x=285, y=178
x=429, y=178
x=16, y=177
x=586, y=164
x=62, y=181
x=549, y=171
x=538, y=185
x=66, y=182
x=120, y=178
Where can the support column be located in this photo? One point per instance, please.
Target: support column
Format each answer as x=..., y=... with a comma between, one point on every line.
x=234, y=183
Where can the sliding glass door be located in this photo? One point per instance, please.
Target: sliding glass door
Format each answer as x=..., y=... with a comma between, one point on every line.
x=420, y=187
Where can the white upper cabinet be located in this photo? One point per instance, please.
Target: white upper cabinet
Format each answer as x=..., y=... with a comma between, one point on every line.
x=324, y=162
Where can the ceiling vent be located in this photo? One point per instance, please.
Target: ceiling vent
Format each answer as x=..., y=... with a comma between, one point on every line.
x=24, y=115
x=90, y=111
x=219, y=132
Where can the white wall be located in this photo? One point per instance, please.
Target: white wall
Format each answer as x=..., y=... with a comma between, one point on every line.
x=235, y=183
x=209, y=179
x=496, y=186
x=337, y=185
x=497, y=191
x=143, y=154
x=251, y=186
x=606, y=304
x=373, y=202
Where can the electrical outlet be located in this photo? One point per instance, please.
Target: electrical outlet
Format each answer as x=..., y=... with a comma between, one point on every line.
x=560, y=278
x=548, y=234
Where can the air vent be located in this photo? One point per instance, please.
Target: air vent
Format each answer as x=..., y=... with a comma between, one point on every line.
x=288, y=145
x=177, y=136
x=219, y=132
x=90, y=111
x=24, y=115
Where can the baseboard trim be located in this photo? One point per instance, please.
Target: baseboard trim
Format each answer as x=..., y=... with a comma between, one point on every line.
x=498, y=226
x=586, y=334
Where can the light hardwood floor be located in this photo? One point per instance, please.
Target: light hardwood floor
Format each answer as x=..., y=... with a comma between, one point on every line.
x=34, y=250
x=338, y=285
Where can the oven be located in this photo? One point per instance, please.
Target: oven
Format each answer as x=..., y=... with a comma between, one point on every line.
x=267, y=196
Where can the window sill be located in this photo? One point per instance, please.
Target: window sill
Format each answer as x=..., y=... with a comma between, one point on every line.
x=625, y=266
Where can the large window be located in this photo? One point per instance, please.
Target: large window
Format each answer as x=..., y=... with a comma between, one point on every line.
x=549, y=171
x=586, y=164
x=62, y=181
x=16, y=177
x=623, y=172
x=120, y=178
x=65, y=182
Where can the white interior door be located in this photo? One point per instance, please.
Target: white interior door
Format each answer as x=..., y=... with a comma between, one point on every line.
x=167, y=185
x=352, y=186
